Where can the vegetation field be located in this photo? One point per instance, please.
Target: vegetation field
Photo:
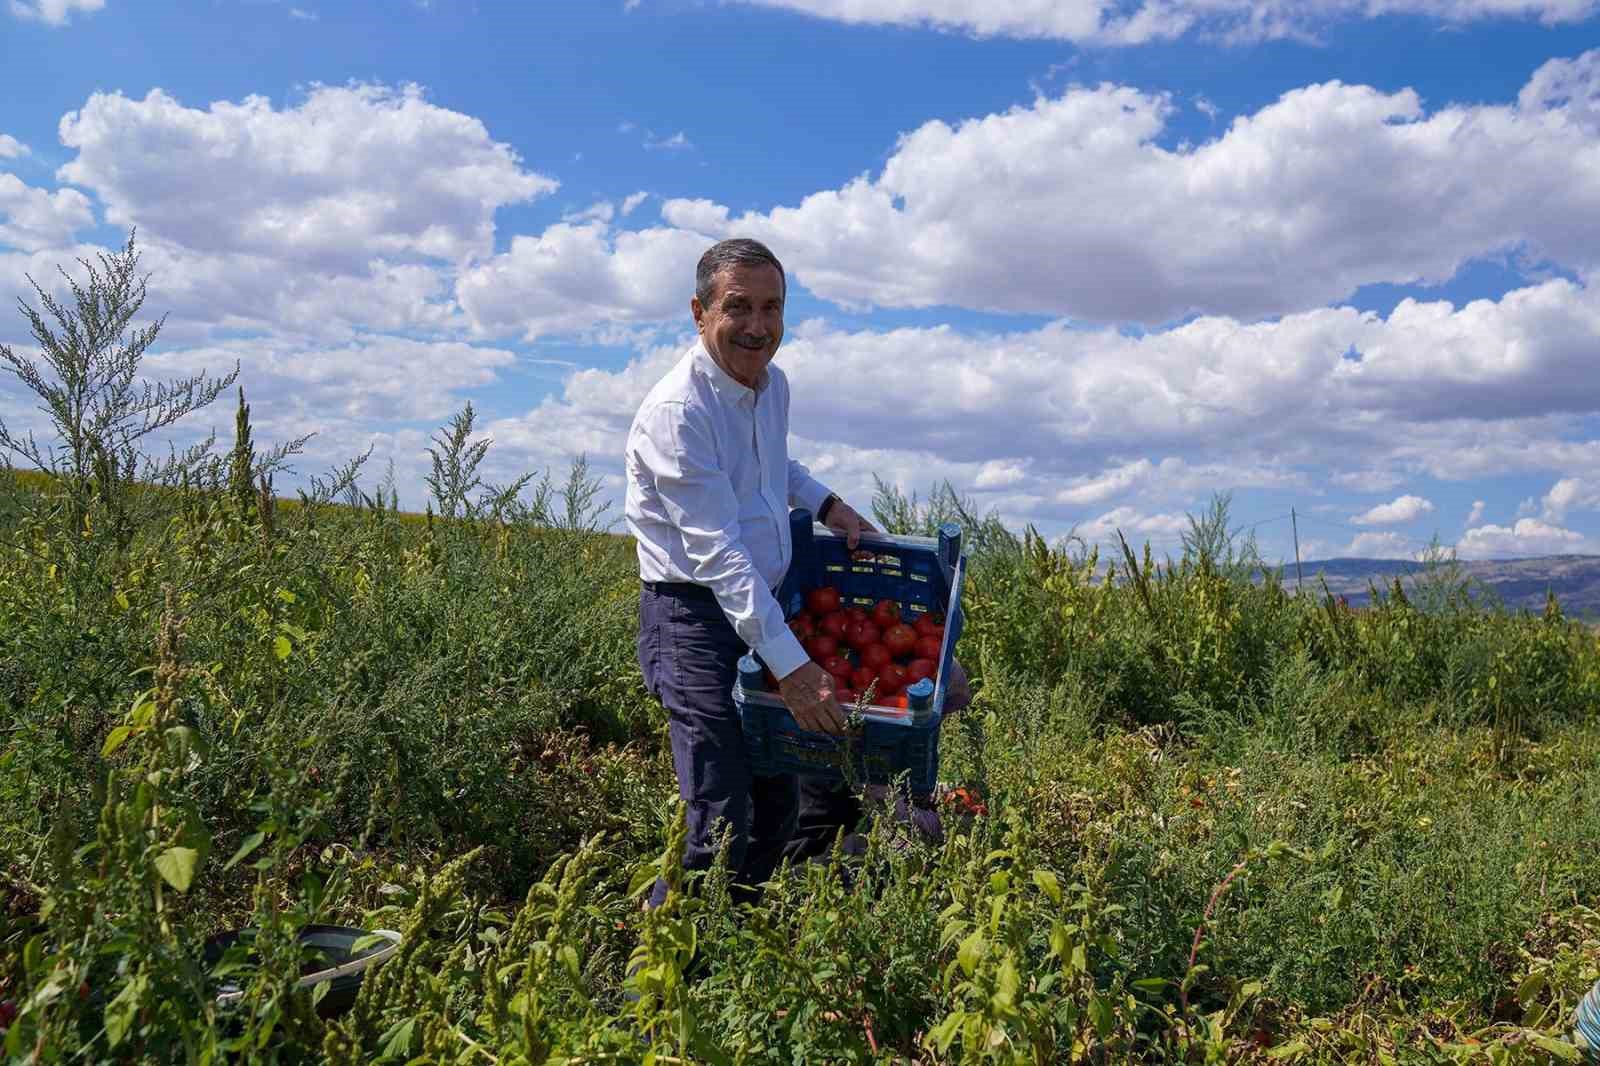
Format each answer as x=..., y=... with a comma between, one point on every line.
x=1218, y=821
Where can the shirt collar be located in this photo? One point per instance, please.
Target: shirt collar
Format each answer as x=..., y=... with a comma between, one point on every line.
x=728, y=389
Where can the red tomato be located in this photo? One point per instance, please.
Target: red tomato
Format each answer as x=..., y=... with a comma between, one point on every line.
x=927, y=648
x=891, y=679
x=876, y=655
x=857, y=614
x=802, y=628
x=820, y=646
x=823, y=600
x=833, y=624
x=917, y=669
x=865, y=634
x=886, y=613
x=924, y=625
x=862, y=677
x=899, y=639
x=838, y=666
x=846, y=697
x=896, y=701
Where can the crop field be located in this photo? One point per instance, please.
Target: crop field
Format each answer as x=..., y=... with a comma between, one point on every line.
x=1218, y=821
x=1206, y=819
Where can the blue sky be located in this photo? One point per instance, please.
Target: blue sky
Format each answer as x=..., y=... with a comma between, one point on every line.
x=1091, y=261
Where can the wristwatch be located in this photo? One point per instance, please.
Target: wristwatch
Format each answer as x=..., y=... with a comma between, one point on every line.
x=827, y=505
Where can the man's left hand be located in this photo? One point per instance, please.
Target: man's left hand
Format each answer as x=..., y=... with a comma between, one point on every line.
x=842, y=518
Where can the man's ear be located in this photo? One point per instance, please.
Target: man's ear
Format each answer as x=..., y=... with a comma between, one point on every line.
x=697, y=310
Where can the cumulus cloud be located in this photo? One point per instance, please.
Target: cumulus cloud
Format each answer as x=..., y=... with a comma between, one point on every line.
x=1115, y=23
x=1072, y=205
x=1404, y=509
x=11, y=148
x=31, y=219
x=575, y=276
x=1476, y=514
x=1385, y=545
x=1571, y=494
x=348, y=175
x=53, y=12
x=1529, y=536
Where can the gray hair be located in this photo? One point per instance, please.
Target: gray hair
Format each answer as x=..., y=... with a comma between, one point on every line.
x=741, y=251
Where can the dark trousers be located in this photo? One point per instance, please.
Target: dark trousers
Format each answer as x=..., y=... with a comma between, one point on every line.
x=828, y=806
x=690, y=658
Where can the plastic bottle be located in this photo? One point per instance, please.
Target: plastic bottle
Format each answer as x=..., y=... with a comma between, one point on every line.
x=752, y=675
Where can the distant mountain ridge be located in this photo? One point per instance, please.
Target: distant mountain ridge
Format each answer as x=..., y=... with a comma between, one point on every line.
x=1517, y=584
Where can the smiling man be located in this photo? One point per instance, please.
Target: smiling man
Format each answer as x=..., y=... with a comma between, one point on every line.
x=710, y=484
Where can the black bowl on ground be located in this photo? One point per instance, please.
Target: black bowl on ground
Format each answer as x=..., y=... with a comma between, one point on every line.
x=330, y=957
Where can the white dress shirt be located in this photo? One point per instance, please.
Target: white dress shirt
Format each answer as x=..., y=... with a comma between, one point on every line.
x=710, y=484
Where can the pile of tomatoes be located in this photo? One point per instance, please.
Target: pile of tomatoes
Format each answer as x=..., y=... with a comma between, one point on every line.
x=859, y=646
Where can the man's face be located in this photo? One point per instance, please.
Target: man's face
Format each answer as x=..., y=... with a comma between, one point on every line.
x=743, y=325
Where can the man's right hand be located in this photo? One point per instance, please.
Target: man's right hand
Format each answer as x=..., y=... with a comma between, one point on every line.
x=808, y=693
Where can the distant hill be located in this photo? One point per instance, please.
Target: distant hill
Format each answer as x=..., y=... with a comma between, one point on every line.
x=1515, y=583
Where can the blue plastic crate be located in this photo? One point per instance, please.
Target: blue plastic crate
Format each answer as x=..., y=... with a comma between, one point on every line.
x=923, y=575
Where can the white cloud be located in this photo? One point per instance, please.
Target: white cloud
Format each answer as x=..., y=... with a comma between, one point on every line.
x=575, y=276
x=31, y=219
x=677, y=142
x=350, y=174
x=1529, y=536
x=1329, y=188
x=1404, y=509
x=633, y=201
x=1570, y=85
x=1112, y=22
x=11, y=148
x=1386, y=545
x=1571, y=494
x=303, y=15
x=53, y=12
x=1476, y=514
x=603, y=211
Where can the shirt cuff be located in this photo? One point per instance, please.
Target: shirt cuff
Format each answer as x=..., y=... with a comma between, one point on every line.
x=809, y=494
x=783, y=654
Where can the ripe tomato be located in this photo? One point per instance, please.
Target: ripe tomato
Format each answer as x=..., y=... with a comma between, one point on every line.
x=821, y=645
x=802, y=628
x=924, y=625
x=917, y=669
x=891, y=679
x=857, y=614
x=876, y=655
x=899, y=639
x=899, y=701
x=846, y=697
x=823, y=600
x=838, y=666
x=833, y=624
x=886, y=613
x=862, y=677
x=867, y=634
x=927, y=648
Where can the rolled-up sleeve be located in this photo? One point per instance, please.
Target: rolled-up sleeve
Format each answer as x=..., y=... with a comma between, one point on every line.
x=698, y=498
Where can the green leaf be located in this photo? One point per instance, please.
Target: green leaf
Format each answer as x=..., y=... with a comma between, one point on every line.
x=281, y=647
x=396, y=1041
x=249, y=844
x=972, y=949
x=1100, y=1015
x=1283, y=1051
x=1048, y=885
x=115, y=740
x=176, y=866
x=1559, y=1048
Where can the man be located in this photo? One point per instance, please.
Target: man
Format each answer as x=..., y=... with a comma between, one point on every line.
x=709, y=487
